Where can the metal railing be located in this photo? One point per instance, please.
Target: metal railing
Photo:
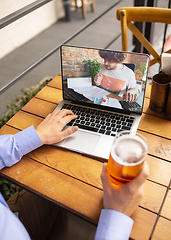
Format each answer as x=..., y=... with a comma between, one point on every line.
x=35, y=64
x=22, y=12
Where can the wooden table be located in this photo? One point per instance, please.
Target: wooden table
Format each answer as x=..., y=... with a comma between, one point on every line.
x=72, y=180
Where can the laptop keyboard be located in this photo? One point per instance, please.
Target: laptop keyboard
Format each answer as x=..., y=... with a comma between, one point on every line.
x=99, y=121
x=73, y=95
x=132, y=106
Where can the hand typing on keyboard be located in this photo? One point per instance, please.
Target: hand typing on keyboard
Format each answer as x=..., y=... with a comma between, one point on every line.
x=102, y=122
x=130, y=95
x=50, y=129
x=131, y=106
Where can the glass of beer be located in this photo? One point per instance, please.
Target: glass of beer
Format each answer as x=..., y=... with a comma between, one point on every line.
x=127, y=156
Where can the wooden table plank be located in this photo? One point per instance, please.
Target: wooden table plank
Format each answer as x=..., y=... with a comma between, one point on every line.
x=160, y=171
x=56, y=187
x=141, y=231
x=89, y=170
x=73, y=164
x=153, y=196
x=39, y=107
x=22, y=120
x=50, y=94
x=155, y=125
x=158, y=146
x=166, y=210
x=162, y=230
x=56, y=82
x=8, y=130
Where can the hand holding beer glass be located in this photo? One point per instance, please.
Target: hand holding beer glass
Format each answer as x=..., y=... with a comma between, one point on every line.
x=127, y=156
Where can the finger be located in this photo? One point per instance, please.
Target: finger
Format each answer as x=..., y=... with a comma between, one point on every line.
x=124, y=98
x=45, y=120
x=65, y=112
x=131, y=98
x=55, y=113
x=48, y=116
x=135, y=97
x=67, y=119
x=141, y=178
x=64, y=116
x=105, y=177
x=68, y=132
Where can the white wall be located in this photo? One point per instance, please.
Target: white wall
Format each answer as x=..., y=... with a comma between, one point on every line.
x=22, y=30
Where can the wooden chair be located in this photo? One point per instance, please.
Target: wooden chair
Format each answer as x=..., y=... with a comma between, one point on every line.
x=84, y=5
x=128, y=15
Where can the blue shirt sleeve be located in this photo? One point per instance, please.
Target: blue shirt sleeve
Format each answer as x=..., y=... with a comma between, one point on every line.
x=10, y=225
x=113, y=225
x=13, y=147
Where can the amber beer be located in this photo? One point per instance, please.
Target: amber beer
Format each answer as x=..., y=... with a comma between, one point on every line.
x=127, y=157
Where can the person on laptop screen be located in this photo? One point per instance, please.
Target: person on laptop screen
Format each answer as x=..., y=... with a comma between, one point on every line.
x=115, y=77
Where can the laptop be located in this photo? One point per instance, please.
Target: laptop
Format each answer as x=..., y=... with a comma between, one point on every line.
x=100, y=107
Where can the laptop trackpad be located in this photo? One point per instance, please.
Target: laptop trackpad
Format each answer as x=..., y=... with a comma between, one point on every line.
x=82, y=141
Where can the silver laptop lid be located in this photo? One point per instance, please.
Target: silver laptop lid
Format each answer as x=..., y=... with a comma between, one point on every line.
x=104, y=78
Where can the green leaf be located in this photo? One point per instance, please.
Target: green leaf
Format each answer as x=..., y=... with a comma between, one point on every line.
x=92, y=67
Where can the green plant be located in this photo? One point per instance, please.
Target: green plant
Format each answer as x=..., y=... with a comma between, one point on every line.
x=142, y=68
x=14, y=106
x=7, y=188
x=92, y=68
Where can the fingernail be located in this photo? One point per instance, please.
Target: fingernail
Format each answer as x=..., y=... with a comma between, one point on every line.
x=75, y=128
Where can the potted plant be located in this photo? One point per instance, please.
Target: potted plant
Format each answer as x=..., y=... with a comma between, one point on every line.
x=91, y=67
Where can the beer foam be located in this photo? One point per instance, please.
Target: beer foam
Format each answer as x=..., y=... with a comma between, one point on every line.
x=129, y=150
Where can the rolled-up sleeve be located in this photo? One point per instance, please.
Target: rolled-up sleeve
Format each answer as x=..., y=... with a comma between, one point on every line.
x=113, y=225
x=13, y=147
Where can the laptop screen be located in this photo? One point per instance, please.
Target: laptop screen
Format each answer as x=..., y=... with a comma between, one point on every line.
x=104, y=78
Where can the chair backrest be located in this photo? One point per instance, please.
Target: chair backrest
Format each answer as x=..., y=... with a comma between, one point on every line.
x=128, y=15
